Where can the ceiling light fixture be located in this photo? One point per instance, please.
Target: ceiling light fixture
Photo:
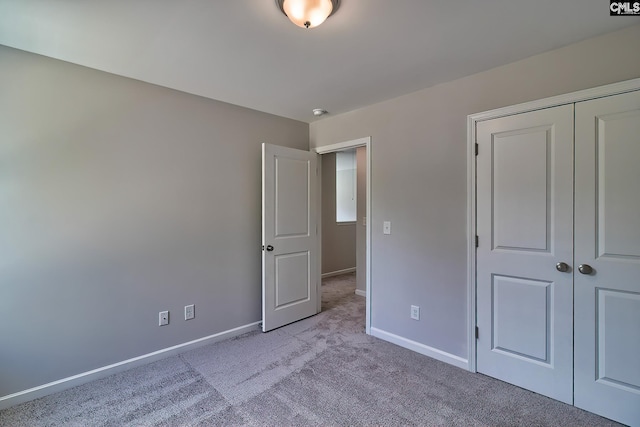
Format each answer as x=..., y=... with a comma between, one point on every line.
x=319, y=112
x=308, y=13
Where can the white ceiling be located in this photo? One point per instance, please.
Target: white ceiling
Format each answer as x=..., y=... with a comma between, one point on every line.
x=246, y=52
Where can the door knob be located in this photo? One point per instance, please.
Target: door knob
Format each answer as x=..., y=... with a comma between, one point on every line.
x=585, y=269
x=269, y=248
x=562, y=267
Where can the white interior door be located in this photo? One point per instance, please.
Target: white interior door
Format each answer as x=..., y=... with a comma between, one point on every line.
x=607, y=227
x=289, y=236
x=525, y=227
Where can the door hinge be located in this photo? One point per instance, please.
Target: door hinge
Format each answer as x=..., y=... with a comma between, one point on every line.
x=477, y=241
x=477, y=148
x=477, y=332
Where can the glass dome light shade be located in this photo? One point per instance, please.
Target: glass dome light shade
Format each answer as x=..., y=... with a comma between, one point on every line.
x=307, y=13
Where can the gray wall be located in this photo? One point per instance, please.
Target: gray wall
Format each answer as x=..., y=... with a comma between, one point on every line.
x=361, y=229
x=119, y=199
x=419, y=178
x=338, y=240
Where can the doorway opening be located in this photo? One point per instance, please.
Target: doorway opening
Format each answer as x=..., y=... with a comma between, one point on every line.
x=345, y=243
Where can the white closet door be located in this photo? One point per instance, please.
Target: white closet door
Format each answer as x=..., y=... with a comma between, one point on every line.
x=607, y=238
x=525, y=227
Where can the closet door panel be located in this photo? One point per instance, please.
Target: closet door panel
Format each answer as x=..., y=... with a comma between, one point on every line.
x=525, y=227
x=607, y=239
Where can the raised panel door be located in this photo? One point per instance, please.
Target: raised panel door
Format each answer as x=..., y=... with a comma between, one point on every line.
x=525, y=227
x=607, y=239
x=289, y=236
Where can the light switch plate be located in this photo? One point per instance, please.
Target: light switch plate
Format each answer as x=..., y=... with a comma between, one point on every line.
x=386, y=227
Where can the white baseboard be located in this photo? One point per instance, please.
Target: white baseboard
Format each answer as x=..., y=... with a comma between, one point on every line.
x=338, y=272
x=434, y=353
x=361, y=292
x=105, y=371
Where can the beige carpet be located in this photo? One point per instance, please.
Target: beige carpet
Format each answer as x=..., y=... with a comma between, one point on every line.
x=320, y=371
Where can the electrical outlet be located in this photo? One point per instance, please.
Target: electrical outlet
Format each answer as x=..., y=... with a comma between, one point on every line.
x=189, y=312
x=163, y=318
x=415, y=312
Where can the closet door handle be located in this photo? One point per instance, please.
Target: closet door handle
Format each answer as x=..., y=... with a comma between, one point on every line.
x=585, y=269
x=562, y=267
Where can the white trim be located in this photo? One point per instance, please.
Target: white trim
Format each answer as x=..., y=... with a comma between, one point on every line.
x=343, y=145
x=319, y=233
x=105, y=371
x=472, y=120
x=369, y=228
x=361, y=293
x=471, y=243
x=554, y=101
x=338, y=272
x=434, y=353
x=361, y=142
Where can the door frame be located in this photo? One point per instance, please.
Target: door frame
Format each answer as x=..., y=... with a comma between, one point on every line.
x=333, y=148
x=472, y=120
